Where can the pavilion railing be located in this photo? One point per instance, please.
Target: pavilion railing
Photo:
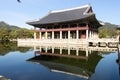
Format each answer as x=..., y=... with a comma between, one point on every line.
x=62, y=41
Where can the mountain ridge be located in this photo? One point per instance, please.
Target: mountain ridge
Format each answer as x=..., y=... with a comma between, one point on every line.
x=8, y=26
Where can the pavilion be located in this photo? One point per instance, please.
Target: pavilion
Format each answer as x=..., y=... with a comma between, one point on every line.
x=69, y=25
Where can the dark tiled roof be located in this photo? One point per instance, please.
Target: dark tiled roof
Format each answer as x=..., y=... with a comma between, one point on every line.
x=64, y=16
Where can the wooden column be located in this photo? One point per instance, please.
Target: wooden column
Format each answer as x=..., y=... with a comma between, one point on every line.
x=40, y=36
x=46, y=35
x=69, y=34
x=52, y=34
x=77, y=34
x=87, y=31
x=86, y=34
x=90, y=34
x=34, y=33
x=60, y=34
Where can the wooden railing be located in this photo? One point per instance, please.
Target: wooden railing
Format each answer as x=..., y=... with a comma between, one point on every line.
x=63, y=29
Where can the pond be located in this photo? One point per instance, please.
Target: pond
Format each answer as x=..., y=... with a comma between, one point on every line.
x=54, y=63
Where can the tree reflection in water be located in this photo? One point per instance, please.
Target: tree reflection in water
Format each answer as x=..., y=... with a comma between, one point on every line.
x=5, y=48
x=84, y=67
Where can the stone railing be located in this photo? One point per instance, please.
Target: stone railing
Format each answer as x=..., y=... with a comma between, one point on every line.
x=62, y=41
x=103, y=40
x=51, y=41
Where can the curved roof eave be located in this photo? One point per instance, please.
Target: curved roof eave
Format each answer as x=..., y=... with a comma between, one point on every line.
x=65, y=15
x=36, y=23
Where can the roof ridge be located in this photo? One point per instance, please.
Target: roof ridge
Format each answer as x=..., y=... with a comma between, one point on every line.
x=80, y=7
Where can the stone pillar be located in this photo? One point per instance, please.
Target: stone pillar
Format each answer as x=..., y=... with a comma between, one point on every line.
x=52, y=49
x=68, y=51
x=34, y=48
x=46, y=35
x=60, y=50
x=77, y=34
x=52, y=34
x=60, y=34
x=34, y=33
x=77, y=52
x=86, y=52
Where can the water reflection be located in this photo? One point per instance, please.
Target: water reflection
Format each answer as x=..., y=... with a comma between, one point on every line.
x=118, y=60
x=77, y=61
x=5, y=48
x=60, y=62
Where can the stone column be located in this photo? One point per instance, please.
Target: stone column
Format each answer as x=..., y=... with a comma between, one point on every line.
x=52, y=49
x=77, y=52
x=86, y=52
x=60, y=50
x=34, y=48
x=68, y=51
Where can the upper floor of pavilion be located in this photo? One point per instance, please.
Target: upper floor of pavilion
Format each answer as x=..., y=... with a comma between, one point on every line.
x=82, y=16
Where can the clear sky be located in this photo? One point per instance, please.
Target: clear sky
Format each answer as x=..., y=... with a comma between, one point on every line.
x=15, y=13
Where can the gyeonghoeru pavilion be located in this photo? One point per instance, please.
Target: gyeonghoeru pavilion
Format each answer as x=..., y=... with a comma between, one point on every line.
x=68, y=26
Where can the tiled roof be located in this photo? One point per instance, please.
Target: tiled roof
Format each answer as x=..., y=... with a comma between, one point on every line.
x=65, y=15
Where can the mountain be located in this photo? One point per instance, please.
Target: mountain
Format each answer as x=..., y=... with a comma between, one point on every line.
x=108, y=30
x=5, y=25
x=107, y=24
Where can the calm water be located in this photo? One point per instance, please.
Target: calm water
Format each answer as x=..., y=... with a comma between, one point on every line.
x=20, y=63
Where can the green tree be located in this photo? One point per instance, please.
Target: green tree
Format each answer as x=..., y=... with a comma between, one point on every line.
x=24, y=33
x=103, y=33
x=13, y=34
x=108, y=30
x=4, y=34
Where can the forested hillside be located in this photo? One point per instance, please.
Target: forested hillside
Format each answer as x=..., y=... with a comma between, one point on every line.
x=9, y=32
x=108, y=30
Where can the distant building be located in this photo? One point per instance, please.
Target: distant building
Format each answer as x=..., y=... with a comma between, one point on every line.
x=68, y=25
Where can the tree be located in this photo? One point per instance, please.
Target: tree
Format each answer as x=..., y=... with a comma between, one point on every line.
x=108, y=30
x=103, y=33
x=24, y=33
x=4, y=34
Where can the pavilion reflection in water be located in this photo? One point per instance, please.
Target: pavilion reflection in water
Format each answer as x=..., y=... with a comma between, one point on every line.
x=78, y=61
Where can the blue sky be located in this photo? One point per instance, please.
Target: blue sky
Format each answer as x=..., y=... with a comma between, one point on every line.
x=15, y=13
